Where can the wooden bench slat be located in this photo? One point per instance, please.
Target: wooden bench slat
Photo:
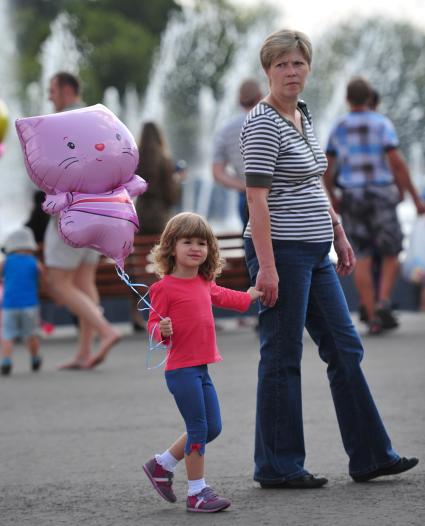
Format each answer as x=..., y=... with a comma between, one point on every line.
x=139, y=266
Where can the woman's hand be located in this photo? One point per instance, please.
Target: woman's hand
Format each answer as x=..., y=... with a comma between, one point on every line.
x=259, y=217
x=346, y=258
x=254, y=293
x=267, y=283
x=420, y=207
x=166, y=327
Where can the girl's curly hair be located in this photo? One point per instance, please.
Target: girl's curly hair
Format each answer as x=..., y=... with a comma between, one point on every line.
x=187, y=225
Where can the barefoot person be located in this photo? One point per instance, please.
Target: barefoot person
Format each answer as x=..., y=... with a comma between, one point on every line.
x=72, y=271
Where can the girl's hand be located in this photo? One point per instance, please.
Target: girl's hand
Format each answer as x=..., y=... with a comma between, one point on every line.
x=166, y=327
x=254, y=293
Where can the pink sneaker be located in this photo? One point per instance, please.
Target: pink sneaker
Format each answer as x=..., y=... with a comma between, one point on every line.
x=162, y=480
x=206, y=502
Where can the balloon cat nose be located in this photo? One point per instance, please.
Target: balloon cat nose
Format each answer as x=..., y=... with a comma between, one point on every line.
x=100, y=147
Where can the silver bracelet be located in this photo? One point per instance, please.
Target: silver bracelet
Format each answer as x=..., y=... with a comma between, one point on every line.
x=334, y=225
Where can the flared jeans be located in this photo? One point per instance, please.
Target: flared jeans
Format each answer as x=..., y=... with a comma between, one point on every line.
x=310, y=296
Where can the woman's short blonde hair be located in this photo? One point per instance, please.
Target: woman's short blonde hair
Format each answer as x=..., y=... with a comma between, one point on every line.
x=281, y=42
x=185, y=226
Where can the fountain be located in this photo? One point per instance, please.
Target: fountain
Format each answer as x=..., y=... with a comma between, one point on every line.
x=58, y=52
x=15, y=197
x=190, y=99
x=175, y=82
x=203, y=57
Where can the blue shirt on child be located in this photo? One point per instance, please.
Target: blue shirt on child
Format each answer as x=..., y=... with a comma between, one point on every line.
x=20, y=275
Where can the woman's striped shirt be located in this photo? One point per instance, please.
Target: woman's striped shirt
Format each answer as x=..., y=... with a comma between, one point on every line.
x=279, y=157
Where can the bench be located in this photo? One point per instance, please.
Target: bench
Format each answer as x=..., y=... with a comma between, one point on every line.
x=116, y=296
x=139, y=267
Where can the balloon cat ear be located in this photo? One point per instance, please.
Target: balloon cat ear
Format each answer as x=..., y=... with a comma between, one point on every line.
x=101, y=107
x=26, y=128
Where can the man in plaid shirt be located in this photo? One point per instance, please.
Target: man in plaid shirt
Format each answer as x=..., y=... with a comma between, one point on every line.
x=363, y=148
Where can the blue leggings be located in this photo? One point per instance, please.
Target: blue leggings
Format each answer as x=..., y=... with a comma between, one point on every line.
x=197, y=401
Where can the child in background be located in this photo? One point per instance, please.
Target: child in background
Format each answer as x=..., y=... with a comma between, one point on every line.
x=20, y=271
x=188, y=260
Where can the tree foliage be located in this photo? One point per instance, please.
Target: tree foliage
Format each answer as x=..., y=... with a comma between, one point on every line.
x=117, y=39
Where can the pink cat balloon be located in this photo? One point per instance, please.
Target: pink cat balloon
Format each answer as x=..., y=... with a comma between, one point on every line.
x=85, y=161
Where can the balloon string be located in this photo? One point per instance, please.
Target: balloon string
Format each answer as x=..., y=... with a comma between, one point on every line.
x=153, y=345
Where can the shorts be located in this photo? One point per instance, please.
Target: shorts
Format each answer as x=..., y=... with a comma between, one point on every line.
x=20, y=323
x=371, y=223
x=58, y=254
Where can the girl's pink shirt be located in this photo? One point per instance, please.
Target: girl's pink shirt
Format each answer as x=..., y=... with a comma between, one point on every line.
x=188, y=303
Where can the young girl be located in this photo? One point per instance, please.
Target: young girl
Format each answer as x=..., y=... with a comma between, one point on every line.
x=187, y=258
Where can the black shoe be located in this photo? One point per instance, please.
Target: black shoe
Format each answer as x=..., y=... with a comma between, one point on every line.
x=36, y=362
x=386, y=315
x=6, y=367
x=404, y=464
x=304, y=482
x=363, y=316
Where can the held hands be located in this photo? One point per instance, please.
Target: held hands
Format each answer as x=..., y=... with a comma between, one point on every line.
x=267, y=283
x=254, y=293
x=346, y=258
x=166, y=327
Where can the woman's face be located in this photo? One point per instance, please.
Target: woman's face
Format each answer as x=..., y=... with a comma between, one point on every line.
x=287, y=75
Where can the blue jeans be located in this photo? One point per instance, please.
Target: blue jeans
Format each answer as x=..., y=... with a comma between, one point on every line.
x=310, y=296
x=243, y=209
x=197, y=402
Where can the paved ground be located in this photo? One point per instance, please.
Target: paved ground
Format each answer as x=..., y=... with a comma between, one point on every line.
x=72, y=443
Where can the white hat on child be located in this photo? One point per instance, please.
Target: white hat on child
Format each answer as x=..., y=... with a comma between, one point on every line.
x=20, y=239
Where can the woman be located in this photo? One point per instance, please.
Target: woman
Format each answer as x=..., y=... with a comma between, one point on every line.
x=287, y=242
x=156, y=167
x=164, y=179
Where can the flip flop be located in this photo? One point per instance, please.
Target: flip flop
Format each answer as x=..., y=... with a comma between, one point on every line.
x=96, y=360
x=103, y=353
x=72, y=366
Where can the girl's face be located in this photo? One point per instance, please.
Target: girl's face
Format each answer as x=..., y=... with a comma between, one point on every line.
x=189, y=254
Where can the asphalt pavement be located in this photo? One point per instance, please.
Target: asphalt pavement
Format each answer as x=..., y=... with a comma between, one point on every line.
x=73, y=443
